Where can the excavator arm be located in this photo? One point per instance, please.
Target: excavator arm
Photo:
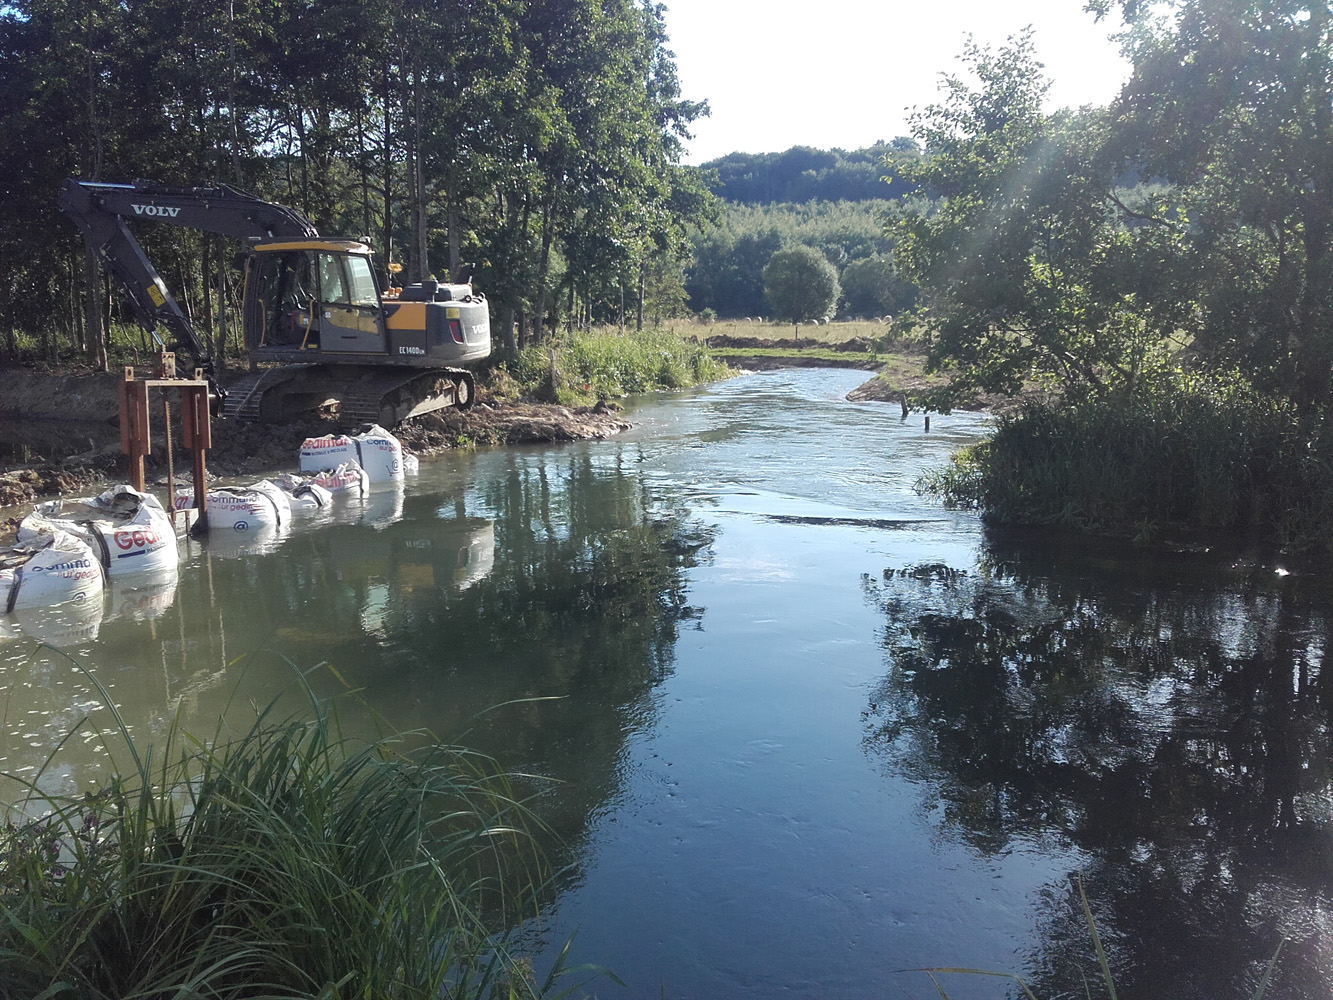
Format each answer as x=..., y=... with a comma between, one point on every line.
x=101, y=211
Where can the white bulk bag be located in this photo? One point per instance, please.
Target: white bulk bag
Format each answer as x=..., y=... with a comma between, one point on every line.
x=374, y=449
x=346, y=478
x=303, y=494
x=326, y=452
x=128, y=531
x=54, y=568
x=379, y=453
x=242, y=508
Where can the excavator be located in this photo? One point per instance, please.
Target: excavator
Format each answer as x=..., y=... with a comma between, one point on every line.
x=313, y=308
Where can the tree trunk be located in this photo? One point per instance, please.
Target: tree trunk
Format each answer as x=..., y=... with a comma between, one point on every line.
x=75, y=313
x=96, y=334
x=205, y=265
x=388, y=180
x=220, y=351
x=362, y=166
x=638, y=316
x=507, y=331
x=421, y=263
x=231, y=93
x=305, y=165
x=543, y=268
x=455, y=223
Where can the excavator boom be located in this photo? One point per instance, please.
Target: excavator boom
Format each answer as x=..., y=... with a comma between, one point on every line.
x=100, y=211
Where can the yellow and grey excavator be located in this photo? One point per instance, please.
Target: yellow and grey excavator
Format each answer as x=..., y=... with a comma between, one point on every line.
x=312, y=304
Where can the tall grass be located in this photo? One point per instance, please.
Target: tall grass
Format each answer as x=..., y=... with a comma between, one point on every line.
x=603, y=365
x=1195, y=452
x=287, y=861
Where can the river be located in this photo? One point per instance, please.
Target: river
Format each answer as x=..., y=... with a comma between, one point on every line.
x=808, y=729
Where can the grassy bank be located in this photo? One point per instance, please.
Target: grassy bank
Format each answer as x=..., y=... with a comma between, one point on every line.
x=287, y=861
x=1198, y=453
x=605, y=364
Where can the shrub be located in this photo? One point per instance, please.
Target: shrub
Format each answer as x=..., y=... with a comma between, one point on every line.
x=591, y=366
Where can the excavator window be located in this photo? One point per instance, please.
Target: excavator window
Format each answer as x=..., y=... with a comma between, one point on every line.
x=287, y=288
x=362, y=275
x=347, y=280
x=332, y=282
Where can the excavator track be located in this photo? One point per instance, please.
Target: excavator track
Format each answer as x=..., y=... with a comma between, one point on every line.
x=358, y=395
x=245, y=394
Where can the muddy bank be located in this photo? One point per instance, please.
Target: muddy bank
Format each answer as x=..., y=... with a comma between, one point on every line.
x=771, y=362
x=61, y=434
x=27, y=394
x=856, y=353
x=853, y=345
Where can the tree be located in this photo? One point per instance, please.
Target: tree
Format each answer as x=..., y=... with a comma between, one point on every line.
x=802, y=174
x=800, y=285
x=871, y=287
x=1025, y=266
x=1231, y=101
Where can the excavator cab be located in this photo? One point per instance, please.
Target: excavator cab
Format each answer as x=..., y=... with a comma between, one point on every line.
x=313, y=295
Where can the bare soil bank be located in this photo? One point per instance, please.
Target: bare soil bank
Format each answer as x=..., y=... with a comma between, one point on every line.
x=856, y=353
x=69, y=424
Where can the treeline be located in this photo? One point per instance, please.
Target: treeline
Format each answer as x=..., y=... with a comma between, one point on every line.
x=540, y=140
x=802, y=174
x=726, y=275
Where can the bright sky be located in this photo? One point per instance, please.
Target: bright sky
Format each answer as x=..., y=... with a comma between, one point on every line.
x=844, y=73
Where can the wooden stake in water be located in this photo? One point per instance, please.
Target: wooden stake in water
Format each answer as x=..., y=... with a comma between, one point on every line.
x=171, y=465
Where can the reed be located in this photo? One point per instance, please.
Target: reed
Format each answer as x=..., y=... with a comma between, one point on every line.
x=1193, y=452
x=604, y=365
x=287, y=861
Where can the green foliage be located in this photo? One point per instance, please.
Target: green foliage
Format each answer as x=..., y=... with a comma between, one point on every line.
x=592, y=366
x=542, y=141
x=1233, y=104
x=1194, y=451
x=1025, y=267
x=1085, y=250
x=729, y=255
x=801, y=285
x=871, y=286
x=287, y=861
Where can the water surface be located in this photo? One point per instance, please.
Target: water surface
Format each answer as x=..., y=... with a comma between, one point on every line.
x=811, y=729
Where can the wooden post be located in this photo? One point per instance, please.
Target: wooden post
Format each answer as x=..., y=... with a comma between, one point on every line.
x=134, y=437
x=171, y=464
x=135, y=441
x=198, y=435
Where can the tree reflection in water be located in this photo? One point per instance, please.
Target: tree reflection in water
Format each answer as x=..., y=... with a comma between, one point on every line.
x=1168, y=716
